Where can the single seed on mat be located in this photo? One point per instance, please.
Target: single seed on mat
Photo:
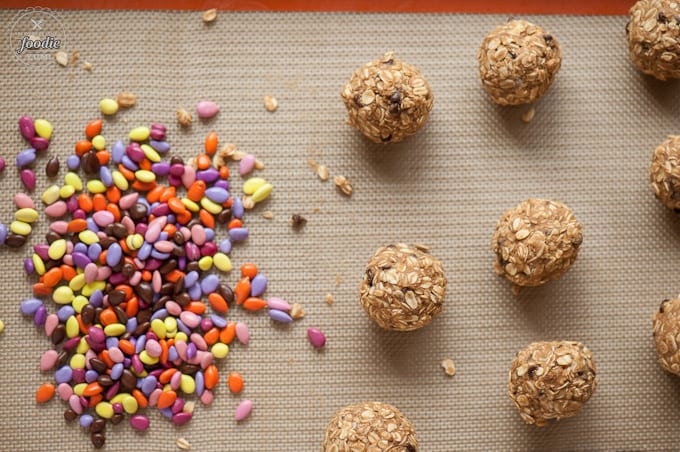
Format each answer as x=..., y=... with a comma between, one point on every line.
x=449, y=367
x=61, y=58
x=183, y=443
x=209, y=15
x=270, y=103
x=529, y=115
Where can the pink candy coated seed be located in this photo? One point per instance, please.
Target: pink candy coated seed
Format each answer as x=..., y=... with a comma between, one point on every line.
x=127, y=201
x=242, y=333
x=316, y=337
x=207, y=109
x=103, y=218
x=278, y=303
x=243, y=410
x=51, y=324
x=190, y=319
x=23, y=201
x=246, y=164
x=58, y=209
x=65, y=391
x=206, y=397
x=198, y=234
x=48, y=360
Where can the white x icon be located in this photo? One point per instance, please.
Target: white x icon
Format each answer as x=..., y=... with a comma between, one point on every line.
x=37, y=23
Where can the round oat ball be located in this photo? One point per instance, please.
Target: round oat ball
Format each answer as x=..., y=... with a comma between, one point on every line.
x=387, y=99
x=664, y=173
x=536, y=242
x=403, y=287
x=653, y=31
x=551, y=380
x=666, y=323
x=370, y=426
x=518, y=62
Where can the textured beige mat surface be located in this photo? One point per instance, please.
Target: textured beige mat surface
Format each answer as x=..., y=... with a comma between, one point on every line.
x=589, y=146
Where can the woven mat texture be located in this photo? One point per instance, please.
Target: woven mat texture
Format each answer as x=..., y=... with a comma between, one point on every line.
x=589, y=146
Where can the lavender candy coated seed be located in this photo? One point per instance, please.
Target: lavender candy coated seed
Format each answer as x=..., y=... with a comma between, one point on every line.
x=258, y=285
x=25, y=157
x=39, y=143
x=73, y=162
x=217, y=195
x=28, y=178
x=280, y=316
x=3, y=233
x=160, y=168
x=86, y=420
x=243, y=410
x=316, y=337
x=117, y=151
x=237, y=208
x=238, y=234
x=29, y=267
x=27, y=127
x=225, y=246
x=207, y=109
x=30, y=306
x=160, y=146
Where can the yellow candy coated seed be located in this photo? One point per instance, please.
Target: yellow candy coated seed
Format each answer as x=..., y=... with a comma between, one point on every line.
x=145, y=176
x=222, y=262
x=88, y=237
x=21, y=228
x=79, y=389
x=26, y=215
x=181, y=336
x=150, y=153
x=99, y=142
x=189, y=204
x=38, y=264
x=118, y=398
x=139, y=133
x=77, y=282
x=96, y=186
x=62, y=295
x=205, y=263
x=79, y=302
x=220, y=350
x=104, y=409
x=88, y=289
x=67, y=191
x=147, y=359
x=73, y=180
x=187, y=384
x=158, y=327
x=83, y=346
x=2, y=326
x=130, y=404
x=251, y=185
x=57, y=249
x=210, y=206
x=114, y=329
x=119, y=180
x=170, y=324
x=77, y=361
x=108, y=106
x=50, y=195
x=72, y=328
x=43, y=128
x=167, y=388
x=262, y=193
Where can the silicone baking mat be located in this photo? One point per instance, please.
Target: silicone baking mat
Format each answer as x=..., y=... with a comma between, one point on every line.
x=589, y=146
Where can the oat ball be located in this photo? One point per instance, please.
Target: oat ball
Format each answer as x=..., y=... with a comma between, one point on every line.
x=403, y=287
x=370, y=426
x=536, y=242
x=387, y=99
x=551, y=380
x=666, y=324
x=664, y=172
x=518, y=62
x=653, y=31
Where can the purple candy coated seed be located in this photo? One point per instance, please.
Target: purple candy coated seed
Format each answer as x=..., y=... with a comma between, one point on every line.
x=73, y=162
x=316, y=337
x=258, y=285
x=280, y=316
x=238, y=234
x=39, y=143
x=40, y=316
x=86, y=420
x=30, y=306
x=26, y=157
x=139, y=422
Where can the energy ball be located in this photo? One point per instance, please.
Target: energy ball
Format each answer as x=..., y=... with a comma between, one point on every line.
x=664, y=172
x=666, y=324
x=551, y=380
x=387, y=99
x=536, y=242
x=403, y=287
x=518, y=62
x=370, y=426
x=654, y=37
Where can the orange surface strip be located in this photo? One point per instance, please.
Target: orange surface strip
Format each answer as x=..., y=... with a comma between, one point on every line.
x=595, y=7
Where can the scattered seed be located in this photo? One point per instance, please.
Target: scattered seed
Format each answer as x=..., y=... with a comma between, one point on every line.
x=183, y=444
x=88, y=66
x=74, y=58
x=126, y=100
x=268, y=215
x=184, y=117
x=296, y=311
x=322, y=172
x=209, y=15
x=529, y=115
x=329, y=299
x=312, y=164
x=449, y=367
x=343, y=184
x=259, y=165
x=338, y=279
x=62, y=58
x=298, y=220
x=248, y=202
x=270, y=103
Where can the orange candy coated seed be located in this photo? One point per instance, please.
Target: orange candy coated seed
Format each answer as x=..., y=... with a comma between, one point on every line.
x=203, y=161
x=235, y=382
x=254, y=304
x=242, y=290
x=249, y=270
x=196, y=191
x=218, y=303
x=211, y=377
x=44, y=393
x=228, y=333
x=166, y=399
x=93, y=128
x=211, y=143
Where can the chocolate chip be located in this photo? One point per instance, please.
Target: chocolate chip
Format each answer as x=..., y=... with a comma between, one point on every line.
x=58, y=334
x=52, y=167
x=70, y=415
x=87, y=314
x=661, y=18
x=138, y=211
x=15, y=240
x=547, y=37
x=175, y=160
x=226, y=292
x=117, y=418
x=104, y=380
x=98, y=425
x=98, y=440
x=144, y=291
x=178, y=238
x=98, y=365
x=128, y=381
x=224, y=216
x=116, y=297
x=298, y=220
